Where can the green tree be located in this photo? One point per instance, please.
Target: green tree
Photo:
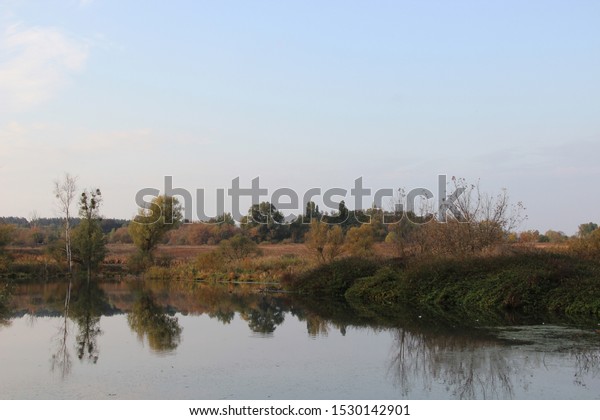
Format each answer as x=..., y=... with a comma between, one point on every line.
x=152, y=224
x=89, y=242
x=586, y=229
x=311, y=212
x=265, y=223
x=341, y=217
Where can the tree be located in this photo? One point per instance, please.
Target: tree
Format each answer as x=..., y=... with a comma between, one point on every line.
x=341, y=217
x=311, y=212
x=588, y=246
x=586, y=229
x=238, y=248
x=325, y=242
x=335, y=243
x=265, y=223
x=401, y=235
x=359, y=241
x=64, y=191
x=529, y=236
x=555, y=237
x=89, y=242
x=151, y=224
x=472, y=222
x=6, y=234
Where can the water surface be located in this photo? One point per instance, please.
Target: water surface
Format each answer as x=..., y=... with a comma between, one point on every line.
x=189, y=341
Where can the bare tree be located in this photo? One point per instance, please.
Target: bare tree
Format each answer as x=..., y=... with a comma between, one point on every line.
x=64, y=191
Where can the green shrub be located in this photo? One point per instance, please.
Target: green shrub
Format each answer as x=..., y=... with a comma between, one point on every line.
x=333, y=278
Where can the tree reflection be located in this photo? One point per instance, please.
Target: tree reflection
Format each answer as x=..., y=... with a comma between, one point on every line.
x=61, y=358
x=222, y=315
x=265, y=317
x=87, y=306
x=84, y=304
x=4, y=299
x=431, y=351
x=469, y=367
x=148, y=319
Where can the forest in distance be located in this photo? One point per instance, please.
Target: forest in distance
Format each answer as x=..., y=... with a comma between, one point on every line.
x=476, y=260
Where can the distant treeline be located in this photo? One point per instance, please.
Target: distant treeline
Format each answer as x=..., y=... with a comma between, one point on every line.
x=55, y=222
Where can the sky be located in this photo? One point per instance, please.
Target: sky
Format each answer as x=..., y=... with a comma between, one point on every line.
x=302, y=94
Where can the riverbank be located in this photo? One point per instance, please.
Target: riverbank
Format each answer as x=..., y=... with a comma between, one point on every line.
x=529, y=282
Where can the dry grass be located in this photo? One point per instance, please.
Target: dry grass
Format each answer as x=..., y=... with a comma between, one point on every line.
x=189, y=252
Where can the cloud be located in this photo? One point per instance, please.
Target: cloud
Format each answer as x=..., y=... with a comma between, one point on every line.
x=35, y=63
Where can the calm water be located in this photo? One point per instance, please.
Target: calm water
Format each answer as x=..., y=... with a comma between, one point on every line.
x=192, y=341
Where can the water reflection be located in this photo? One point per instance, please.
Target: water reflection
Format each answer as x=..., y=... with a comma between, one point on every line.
x=588, y=366
x=429, y=352
x=61, y=358
x=148, y=319
x=265, y=316
x=88, y=303
x=468, y=368
x=84, y=304
x=5, y=292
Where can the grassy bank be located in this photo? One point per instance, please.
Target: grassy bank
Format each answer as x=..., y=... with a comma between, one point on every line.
x=528, y=282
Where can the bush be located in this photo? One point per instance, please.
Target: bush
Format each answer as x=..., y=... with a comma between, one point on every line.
x=332, y=279
x=209, y=261
x=530, y=282
x=238, y=248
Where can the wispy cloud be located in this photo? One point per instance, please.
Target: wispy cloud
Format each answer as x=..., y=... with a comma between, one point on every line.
x=35, y=63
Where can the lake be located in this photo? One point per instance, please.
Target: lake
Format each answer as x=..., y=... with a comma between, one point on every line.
x=185, y=340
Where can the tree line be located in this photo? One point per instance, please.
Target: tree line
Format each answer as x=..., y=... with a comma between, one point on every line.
x=482, y=222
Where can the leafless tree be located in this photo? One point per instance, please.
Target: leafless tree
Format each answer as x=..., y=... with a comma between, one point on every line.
x=64, y=191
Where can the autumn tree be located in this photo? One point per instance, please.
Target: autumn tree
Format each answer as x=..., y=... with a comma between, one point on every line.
x=6, y=235
x=359, y=241
x=325, y=242
x=587, y=246
x=402, y=236
x=529, y=236
x=473, y=222
x=238, y=248
x=555, y=237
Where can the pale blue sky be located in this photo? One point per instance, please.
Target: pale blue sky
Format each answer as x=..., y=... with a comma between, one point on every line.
x=303, y=94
